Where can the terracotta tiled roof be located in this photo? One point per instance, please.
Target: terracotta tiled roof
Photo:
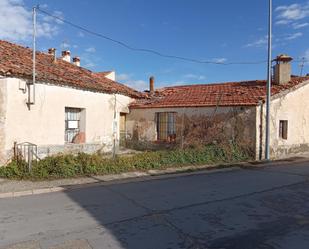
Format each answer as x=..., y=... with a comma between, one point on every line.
x=16, y=61
x=247, y=93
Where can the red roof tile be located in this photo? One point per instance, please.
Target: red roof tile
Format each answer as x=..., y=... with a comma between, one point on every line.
x=246, y=93
x=16, y=61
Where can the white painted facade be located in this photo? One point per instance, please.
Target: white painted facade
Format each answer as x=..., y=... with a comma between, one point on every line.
x=292, y=106
x=44, y=123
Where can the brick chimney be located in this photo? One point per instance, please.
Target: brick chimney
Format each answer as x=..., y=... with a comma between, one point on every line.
x=76, y=61
x=151, y=84
x=282, y=69
x=66, y=55
x=52, y=51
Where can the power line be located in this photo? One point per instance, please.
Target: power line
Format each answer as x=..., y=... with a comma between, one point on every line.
x=151, y=51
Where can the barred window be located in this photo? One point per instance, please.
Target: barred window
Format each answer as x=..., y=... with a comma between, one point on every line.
x=166, y=126
x=72, y=123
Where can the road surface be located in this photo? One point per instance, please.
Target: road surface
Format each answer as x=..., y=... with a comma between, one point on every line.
x=265, y=208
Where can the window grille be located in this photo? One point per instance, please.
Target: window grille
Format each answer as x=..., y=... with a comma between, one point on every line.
x=72, y=123
x=166, y=126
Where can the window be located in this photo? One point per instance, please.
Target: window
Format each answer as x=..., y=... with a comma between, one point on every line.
x=166, y=126
x=73, y=125
x=283, y=129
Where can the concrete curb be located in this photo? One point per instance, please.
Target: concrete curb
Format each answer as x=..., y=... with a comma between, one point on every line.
x=169, y=171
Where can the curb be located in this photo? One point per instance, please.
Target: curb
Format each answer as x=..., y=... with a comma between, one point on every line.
x=124, y=176
x=151, y=173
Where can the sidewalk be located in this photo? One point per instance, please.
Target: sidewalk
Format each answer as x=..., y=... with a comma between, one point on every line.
x=13, y=188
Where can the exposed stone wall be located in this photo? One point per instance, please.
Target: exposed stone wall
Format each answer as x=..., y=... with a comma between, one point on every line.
x=197, y=126
x=2, y=120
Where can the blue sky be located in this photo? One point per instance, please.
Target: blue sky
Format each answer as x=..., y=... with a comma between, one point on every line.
x=221, y=30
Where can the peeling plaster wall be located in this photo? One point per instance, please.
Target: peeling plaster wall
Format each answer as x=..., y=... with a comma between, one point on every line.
x=44, y=123
x=141, y=125
x=2, y=120
x=291, y=106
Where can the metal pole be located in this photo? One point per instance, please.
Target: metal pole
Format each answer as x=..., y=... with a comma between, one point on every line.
x=302, y=66
x=114, y=128
x=34, y=54
x=268, y=87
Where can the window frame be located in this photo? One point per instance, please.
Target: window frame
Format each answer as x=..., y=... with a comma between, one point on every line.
x=166, y=126
x=283, y=129
x=72, y=114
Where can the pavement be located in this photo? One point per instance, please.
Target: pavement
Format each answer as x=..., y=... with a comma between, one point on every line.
x=16, y=188
x=263, y=207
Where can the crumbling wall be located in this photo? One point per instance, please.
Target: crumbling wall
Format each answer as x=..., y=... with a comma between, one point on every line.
x=197, y=126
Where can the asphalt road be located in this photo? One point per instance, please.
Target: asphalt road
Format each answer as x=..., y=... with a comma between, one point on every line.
x=240, y=209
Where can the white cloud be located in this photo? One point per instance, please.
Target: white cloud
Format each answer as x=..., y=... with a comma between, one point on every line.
x=261, y=42
x=293, y=36
x=293, y=12
x=300, y=25
x=194, y=76
x=128, y=80
x=219, y=60
x=290, y=14
x=90, y=50
x=16, y=22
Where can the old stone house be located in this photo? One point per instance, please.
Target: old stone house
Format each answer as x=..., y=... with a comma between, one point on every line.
x=231, y=111
x=68, y=109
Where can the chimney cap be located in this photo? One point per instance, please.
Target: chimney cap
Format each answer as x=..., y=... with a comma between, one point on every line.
x=76, y=58
x=283, y=58
x=65, y=52
x=51, y=50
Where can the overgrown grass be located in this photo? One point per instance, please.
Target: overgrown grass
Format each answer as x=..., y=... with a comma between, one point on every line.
x=68, y=166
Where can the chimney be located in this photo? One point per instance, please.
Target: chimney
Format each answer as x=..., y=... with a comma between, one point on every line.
x=282, y=69
x=66, y=55
x=151, y=85
x=52, y=51
x=76, y=61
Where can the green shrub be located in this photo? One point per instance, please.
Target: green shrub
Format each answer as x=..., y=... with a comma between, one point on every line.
x=68, y=165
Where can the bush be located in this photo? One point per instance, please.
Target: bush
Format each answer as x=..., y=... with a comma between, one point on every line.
x=66, y=166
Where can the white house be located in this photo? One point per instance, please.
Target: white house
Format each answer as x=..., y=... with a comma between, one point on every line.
x=68, y=109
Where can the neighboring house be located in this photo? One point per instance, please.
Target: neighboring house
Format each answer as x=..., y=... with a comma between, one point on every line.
x=68, y=109
x=234, y=110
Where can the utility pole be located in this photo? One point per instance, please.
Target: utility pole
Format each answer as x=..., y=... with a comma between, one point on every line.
x=268, y=87
x=31, y=85
x=114, y=127
x=301, y=65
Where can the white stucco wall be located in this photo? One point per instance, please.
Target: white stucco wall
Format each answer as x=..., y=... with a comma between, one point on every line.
x=44, y=123
x=293, y=107
x=3, y=99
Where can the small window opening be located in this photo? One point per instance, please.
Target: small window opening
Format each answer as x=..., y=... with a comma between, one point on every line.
x=283, y=129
